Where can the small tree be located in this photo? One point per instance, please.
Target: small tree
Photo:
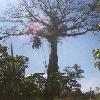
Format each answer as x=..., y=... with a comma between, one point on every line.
x=59, y=84
x=12, y=71
x=73, y=74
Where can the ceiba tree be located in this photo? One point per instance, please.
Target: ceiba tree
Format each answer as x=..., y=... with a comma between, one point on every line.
x=53, y=20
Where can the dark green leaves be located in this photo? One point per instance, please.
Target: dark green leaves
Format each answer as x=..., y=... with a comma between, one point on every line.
x=36, y=43
x=74, y=72
x=3, y=49
x=96, y=55
x=12, y=71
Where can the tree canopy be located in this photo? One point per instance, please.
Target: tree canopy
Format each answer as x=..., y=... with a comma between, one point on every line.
x=53, y=17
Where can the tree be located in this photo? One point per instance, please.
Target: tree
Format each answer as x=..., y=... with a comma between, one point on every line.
x=53, y=20
x=32, y=87
x=59, y=84
x=72, y=75
x=96, y=55
x=12, y=72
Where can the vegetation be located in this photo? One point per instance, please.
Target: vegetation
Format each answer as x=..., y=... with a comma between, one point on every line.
x=14, y=85
x=96, y=55
x=12, y=71
x=52, y=20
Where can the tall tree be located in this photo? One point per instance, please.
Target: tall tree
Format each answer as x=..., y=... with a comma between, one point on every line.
x=53, y=20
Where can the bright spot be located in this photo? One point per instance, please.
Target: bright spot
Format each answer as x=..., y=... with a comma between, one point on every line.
x=45, y=76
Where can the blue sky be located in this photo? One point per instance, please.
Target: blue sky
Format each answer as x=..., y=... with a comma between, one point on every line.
x=70, y=51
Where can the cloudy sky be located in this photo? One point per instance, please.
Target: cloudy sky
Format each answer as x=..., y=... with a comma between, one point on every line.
x=70, y=51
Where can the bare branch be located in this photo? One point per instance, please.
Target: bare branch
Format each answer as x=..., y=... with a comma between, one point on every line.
x=60, y=15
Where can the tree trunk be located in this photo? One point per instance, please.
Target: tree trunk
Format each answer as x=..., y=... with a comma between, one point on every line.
x=52, y=68
x=53, y=58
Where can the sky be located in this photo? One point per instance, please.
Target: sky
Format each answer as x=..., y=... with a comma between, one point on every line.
x=71, y=51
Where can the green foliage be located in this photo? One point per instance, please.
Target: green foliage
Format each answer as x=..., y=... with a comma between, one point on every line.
x=32, y=87
x=12, y=71
x=98, y=26
x=13, y=82
x=97, y=5
x=54, y=85
x=3, y=50
x=71, y=77
x=96, y=55
x=36, y=43
x=59, y=84
x=74, y=72
x=2, y=37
